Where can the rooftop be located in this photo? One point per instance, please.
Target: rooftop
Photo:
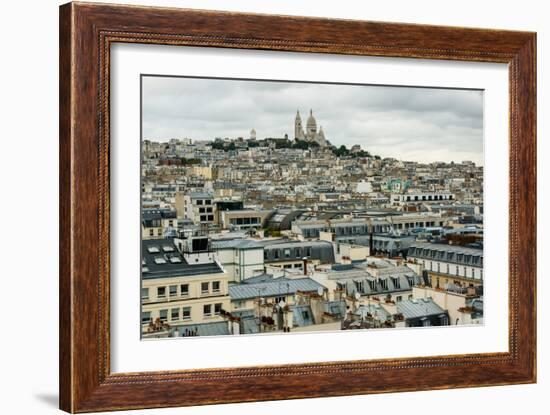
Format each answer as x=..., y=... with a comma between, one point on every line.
x=236, y=244
x=419, y=308
x=275, y=287
x=161, y=259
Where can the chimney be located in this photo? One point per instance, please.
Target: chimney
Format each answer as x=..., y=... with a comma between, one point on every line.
x=304, y=259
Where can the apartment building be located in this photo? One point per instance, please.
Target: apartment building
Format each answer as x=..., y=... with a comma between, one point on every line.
x=196, y=206
x=448, y=264
x=182, y=283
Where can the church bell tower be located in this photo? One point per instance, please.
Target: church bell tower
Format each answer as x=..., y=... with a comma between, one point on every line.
x=298, y=129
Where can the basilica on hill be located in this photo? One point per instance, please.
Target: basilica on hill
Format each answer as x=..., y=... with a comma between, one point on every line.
x=311, y=133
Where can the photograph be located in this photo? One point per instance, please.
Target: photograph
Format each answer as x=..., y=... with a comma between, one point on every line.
x=285, y=206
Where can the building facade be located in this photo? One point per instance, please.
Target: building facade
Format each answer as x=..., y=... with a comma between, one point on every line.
x=448, y=264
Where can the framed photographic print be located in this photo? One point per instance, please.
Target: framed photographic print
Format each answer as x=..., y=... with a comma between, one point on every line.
x=259, y=207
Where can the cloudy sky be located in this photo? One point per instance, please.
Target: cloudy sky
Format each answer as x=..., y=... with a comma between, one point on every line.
x=418, y=124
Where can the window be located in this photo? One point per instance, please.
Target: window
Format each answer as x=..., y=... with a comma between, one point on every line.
x=146, y=317
x=210, y=218
x=207, y=310
x=173, y=290
x=163, y=315
x=208, y=202
x=184, y=288
x=175, y=314
x=217, y=308
x=372, y=285
x=161, y=292
x=279, y=299
x=159, y=232
x=398, y=298
x=410, y=296
x=186, y=313
x=205, y=287
x=151, y=232
x=199, y=202
x=145, y=293
x=216, y=286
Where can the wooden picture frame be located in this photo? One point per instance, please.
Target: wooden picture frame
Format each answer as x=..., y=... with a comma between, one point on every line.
x=86, y=33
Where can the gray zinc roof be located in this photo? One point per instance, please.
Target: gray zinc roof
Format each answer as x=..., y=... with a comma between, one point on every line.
x=273, y=288
x=418, y=308
x=236, y=244
x=174, y=264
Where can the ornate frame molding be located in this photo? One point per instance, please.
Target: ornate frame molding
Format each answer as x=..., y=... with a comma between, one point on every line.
x=86, y=34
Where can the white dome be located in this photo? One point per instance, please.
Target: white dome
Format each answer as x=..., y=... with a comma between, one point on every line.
x=311, y=122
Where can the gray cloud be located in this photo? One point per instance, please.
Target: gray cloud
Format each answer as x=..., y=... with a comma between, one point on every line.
x=420, y=124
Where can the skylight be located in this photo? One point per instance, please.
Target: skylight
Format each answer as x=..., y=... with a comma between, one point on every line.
x=168, y=248
x=160, y=260
x=175, y=260
x=153, y=249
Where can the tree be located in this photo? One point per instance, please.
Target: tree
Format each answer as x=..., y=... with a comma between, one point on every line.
x=340, y=151
x=190, y=162
x=304, y=145
x=218, y=145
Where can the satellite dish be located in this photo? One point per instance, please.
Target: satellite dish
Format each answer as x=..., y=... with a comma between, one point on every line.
x=320, y=290
x=357, y=296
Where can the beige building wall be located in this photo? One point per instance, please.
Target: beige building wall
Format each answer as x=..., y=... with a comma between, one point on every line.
x=352, y=252
x=151, y=233
x=205, y=172
x=185, y=292
x=449, y=301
